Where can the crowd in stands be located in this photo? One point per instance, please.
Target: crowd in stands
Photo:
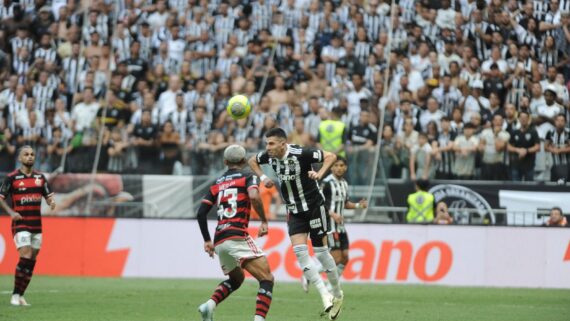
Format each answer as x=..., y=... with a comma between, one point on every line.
x=467, y=89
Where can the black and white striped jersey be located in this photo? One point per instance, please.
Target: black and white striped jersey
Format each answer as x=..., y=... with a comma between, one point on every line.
x=299, y=192
x=559, y=139
x=335, y=192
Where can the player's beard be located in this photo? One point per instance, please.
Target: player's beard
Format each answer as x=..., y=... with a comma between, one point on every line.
x=28, y=164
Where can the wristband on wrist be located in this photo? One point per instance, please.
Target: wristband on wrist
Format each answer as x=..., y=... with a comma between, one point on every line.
x=357, y=205
x=263, y=177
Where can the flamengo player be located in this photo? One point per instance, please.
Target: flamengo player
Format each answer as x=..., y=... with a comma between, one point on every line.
x=335, y=190
x=26, y=187
x=233, y=194
x=307, y=214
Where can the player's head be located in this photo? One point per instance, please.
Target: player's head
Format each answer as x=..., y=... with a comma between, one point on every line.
x=234, y=156
x=276, y=142
x=339, y=167
x=26, y=156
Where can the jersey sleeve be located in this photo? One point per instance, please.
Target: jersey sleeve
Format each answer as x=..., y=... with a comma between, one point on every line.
x=262, y=158
x=6, y=187
x=313, y=155
x=252, y=182
x=46, y=189
x=209, y=198
x=327, y=193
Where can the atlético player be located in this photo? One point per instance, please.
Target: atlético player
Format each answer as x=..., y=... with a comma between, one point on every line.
x=306, y=209
x=26, y=188
x=233, y=194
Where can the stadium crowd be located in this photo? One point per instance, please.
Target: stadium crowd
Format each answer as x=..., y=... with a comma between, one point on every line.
x=467, y=89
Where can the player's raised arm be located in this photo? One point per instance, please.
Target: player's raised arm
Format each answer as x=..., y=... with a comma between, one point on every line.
x=328, y=160
x=254, y=163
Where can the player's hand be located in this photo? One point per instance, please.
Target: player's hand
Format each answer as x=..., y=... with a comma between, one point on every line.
x=268, y=183
x=209, y=248
x=52, y=205
x=314, y=175
x=337, y=218
x=363, y=203
x=15, y=216
x=263, y=229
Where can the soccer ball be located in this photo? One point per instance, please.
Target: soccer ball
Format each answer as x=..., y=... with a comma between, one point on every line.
x=238, y=107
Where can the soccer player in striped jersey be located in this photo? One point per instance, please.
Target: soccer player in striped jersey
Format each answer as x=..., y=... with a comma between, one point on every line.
x=26, y=188
x=233, y=194
x=307, y=214
x=335, y=190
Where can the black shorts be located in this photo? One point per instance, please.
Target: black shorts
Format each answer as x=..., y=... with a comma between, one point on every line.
x=314, y=222
x=338, y=241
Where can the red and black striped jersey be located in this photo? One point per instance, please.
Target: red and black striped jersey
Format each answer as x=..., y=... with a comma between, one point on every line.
x=230, y=194
x=26, y=192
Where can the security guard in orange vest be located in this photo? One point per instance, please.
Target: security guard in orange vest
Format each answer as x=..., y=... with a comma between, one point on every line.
x=420, y=204
x=332, y=133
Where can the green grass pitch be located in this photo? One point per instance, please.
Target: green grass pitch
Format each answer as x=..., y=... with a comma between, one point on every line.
x=94, y=299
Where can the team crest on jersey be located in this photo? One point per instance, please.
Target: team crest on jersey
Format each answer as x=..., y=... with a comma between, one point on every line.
x=38, y=181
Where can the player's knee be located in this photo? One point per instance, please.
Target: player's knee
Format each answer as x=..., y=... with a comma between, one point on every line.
x=268, y=277
x=321, y=250
x=25, y=252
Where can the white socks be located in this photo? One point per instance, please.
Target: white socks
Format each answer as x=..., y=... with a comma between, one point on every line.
x=258, y=318
x=211, y=304
x=340, y=269
x=324, y=256
x=309, y=270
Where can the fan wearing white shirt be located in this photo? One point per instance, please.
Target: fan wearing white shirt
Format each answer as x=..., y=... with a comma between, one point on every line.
x=474, y=103
x=432, y=113
x=547, y=112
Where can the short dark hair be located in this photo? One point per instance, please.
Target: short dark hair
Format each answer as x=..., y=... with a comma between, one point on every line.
x=556, y=208
x=25, y=147
x=422, y=184
x=276, y=132
x=341, y=159
x=524, y=112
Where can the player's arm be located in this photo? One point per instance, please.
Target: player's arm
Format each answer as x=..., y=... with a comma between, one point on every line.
x=202, y=216
x=327, y=193
x=327, y=158
x=254, y=164
x=48, y=194
x=257, y=203
x=363, y=203
x=5, y=190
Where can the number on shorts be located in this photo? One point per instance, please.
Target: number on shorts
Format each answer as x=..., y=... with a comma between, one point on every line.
x=231, y=195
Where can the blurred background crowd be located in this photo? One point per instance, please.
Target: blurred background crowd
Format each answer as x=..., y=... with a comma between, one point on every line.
x=464, y=89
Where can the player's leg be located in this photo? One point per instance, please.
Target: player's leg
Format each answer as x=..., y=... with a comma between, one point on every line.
x=318, y=233
x=259, y=269
x=25, y=266
x=36, y=245
x=342, y=260
x=299, y=227
x=224, y=289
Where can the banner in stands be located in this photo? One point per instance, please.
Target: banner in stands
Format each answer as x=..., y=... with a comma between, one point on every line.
x=443, y=255
x=523, y=202
x=121, y=195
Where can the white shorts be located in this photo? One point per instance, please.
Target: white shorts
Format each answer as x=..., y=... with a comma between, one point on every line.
x=25, y=238
x=235, y=252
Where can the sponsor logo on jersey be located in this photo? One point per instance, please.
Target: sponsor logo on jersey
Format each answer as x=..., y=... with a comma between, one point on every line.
x=30, y=199
x=315, y=223
x=21, y=184
x=283, y=177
